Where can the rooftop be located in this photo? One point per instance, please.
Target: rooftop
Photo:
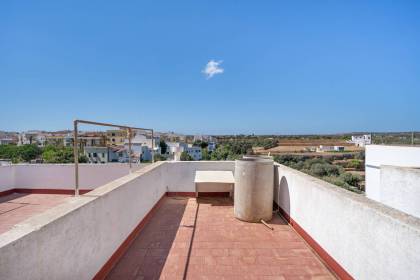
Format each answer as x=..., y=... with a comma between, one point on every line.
x=17, y=207
x=146, y=223
x=201, y=239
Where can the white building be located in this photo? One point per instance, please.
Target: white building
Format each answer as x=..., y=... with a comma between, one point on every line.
x=323, y=148
x=141, y=147
x=175, y=149
x=361, y=140
x=393, y=176
x=32, y=137
x=97, y=154
x=194, y=152
x=211, y=146
x=6, y=141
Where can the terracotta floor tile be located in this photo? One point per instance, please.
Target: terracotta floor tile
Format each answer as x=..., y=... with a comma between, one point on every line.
x=218, y=247
x=16, y=208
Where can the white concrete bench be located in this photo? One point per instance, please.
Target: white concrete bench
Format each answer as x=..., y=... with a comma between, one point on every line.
x=214, y=181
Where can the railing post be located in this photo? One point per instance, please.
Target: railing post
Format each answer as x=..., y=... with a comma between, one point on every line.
x=76, y=159
x=129, y=146
x=153, y=148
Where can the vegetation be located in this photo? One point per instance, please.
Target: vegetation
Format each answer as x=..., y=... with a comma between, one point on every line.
x=163, y=147
x=231, y=150
x=24, y=153
x=186, y=157
x=324, y=169
x=159, y=157
x=201, y=144
x=48, y=154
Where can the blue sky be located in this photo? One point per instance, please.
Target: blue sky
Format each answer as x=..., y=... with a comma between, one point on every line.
x=289, y=67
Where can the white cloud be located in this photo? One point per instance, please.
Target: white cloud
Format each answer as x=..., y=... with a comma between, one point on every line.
x=212, y=68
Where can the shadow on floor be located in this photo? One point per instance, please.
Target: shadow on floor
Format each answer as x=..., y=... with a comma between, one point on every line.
x=147, y=255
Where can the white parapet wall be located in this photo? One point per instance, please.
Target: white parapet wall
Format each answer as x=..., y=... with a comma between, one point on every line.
x=400, y=188
x=180, y=174
x=75, y=239
x=7, y=178
x=61, y=176
x=368, y=239
x=393, y=189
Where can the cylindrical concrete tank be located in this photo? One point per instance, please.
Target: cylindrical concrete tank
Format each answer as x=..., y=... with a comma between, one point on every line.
x=253, y=198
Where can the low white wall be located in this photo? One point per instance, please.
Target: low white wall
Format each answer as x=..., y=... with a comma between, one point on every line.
x=400, y=188
x=180, y=174
x=368, y=239
x=377, y=155
x=7, y=178
x=61, y=176
x=74, y=240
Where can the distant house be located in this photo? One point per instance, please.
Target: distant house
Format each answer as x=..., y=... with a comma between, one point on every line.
x=116, y=137
x=323, y=148
x=175, y=149
x=361, y=140
x=339, y=148
x=4, y=162
x=6, y=141
x=90, y=139
x=211, y=146
x=32, y=137
x=194, y=152
x=97, y=154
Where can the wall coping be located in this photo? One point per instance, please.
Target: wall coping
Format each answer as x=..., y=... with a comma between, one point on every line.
x=41, y=220
x=381, y=209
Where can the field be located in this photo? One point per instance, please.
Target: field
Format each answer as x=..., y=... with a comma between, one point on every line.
x=307, y=147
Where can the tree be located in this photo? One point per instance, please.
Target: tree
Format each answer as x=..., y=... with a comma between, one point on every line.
x=54, y=154
x=159, y=157
x=205, y=155
x=186, y=157
x=163, y=146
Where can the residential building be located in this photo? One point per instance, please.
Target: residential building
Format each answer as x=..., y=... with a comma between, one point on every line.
x=55, y=139
x=6, y=141
x=116, y=137
x=211, y=146
x=175, y=149
x=141, y=147
x=32, y=137
x=361, y=140
x=97, y=154
x=92, y=139
x=339, y=148
x=323, y=148
x=194, y=152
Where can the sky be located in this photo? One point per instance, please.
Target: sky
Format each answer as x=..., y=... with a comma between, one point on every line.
x=211, y=67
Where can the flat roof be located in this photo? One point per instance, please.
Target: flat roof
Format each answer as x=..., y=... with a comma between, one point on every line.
x=17, y=207
x=201, y=239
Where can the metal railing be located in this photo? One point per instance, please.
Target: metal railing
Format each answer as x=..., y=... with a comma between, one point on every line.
x=76, y=146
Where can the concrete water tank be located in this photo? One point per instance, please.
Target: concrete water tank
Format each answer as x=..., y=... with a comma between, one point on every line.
x=253, y=197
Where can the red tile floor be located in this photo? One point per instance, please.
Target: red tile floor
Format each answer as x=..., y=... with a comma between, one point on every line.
x=190, y=240
x=17, y=207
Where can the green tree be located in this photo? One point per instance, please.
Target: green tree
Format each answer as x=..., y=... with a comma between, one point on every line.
x=205, y=155
x=54, y=154
x=163, y=146
x=159, y=157
x=186, y=157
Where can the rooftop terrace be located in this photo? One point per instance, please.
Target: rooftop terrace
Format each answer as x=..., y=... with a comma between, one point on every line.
x=146, y=225
x=201, y=239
